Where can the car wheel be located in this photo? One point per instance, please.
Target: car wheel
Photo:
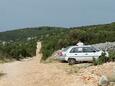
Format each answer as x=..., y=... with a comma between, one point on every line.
x=71, y=61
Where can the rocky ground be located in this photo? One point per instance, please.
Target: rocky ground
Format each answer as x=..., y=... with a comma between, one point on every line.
x=107, y=45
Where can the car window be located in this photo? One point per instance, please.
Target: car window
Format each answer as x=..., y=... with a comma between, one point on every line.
x=65, y=49
x=96, y=49
x=88, y=49
x=76, y=50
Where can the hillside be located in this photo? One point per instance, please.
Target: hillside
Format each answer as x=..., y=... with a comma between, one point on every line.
x=18, y=44
x=26, y=33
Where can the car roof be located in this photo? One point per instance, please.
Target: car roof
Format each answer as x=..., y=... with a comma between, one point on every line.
x=82, y=46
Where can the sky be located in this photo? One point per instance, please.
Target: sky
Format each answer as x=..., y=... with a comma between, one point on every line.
x=15, y=14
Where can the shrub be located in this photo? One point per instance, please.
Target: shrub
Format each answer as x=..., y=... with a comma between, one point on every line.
x=112, y=55
x=102, y=59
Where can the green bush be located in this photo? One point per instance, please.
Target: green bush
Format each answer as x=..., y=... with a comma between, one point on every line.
x=17, y=50
x=102, y=59
x=112, y=55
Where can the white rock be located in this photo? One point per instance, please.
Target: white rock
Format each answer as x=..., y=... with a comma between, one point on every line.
x=103, y=81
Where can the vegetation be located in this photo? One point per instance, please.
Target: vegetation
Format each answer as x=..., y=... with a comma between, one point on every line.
x=112, y=56
x=22, y=43
x=17, y=50
x=103, y=59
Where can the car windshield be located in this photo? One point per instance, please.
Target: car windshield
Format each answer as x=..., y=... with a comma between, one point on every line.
x=96, y=49
x=65, y=49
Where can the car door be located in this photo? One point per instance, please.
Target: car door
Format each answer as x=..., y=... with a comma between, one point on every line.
x=89, y=53
x=77, y=53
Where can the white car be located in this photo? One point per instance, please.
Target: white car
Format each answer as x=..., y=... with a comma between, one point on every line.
x=73, y=54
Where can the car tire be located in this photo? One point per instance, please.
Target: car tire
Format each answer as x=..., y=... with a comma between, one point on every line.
x=71, y=61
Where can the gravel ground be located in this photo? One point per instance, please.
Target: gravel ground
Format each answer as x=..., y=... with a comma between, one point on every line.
x=107, y=45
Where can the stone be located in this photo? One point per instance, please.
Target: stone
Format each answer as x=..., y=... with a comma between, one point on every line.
x=103, y=81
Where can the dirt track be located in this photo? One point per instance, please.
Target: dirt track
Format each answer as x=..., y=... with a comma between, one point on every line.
x=33, y=73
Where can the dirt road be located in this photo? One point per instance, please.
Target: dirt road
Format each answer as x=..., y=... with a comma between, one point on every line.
x=33, y=73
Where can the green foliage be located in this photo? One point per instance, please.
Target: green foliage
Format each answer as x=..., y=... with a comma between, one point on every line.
x=52, y=43
x=102, y=59
x=112, y=55
x=17, y=50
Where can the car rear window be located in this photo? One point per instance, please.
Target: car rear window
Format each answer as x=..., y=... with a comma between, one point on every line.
x=96, y=49
x=88, y=49
x=65, y=49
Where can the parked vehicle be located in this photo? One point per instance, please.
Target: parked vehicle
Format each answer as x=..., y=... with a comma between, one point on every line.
x=74, y=54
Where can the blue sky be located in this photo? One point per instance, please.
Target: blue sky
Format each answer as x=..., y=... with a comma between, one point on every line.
x=16, y=14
